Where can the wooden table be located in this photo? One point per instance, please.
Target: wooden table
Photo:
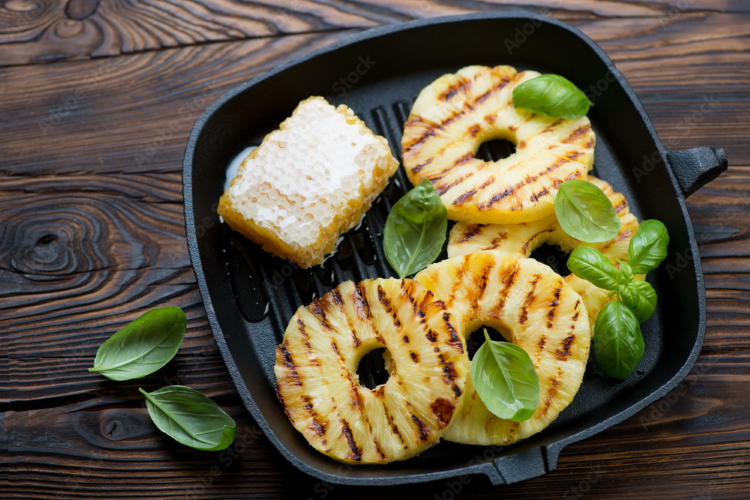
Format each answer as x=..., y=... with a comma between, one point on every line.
x=96, y=103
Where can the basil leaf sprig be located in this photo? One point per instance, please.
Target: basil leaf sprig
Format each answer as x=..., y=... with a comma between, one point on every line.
x=585, y=212
x=505, y=379
x=190, y=418
x=143, y=346
x=415, y=230
x=551, y=95
x=618, y=341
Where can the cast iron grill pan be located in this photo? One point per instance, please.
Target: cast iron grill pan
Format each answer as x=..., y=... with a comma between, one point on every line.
x=250, y=295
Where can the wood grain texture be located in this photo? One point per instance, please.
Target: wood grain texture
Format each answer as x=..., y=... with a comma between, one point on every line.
x=92, y=235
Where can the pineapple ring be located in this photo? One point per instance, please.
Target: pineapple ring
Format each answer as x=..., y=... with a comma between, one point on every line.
x=525, y=238
x=457, y=112
x=533, y=308
x=318, y=385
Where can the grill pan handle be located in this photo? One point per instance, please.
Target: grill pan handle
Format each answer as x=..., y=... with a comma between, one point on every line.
x=696, y=167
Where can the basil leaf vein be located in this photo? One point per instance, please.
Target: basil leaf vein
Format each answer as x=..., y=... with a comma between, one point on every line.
x=585, y=212
x=505, y=380
x=143, y=346
x=640, y=297
x=415, y=230
x=591, y=265
x=551, y=95
x=190, y=418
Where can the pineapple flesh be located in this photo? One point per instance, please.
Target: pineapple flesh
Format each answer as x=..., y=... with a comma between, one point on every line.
x=524, y=238
x=456, y=113
x=533, y=308
x=318, y=385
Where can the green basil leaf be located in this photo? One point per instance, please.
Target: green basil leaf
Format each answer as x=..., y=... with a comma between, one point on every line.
x=585, y=212
x=551, y=95
x=143, y=346
x=648, y=246
x=591, y=265
x=415, y=230
x=505, y=379
x=190, y=418
x=640, y=297
x=618, y=341
x=625, y=274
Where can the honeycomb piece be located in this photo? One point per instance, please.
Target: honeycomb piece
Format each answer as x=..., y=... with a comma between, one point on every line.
x=308, y=182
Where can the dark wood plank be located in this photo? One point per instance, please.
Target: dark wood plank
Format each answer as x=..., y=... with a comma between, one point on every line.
x=38, y=32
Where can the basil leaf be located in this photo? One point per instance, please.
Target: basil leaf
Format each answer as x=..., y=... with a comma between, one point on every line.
x=618, y=341
x=625, y=274
x=648, y=246
x=551, y=95
x=415, y=230
x=585, y=212
x=505, y=379
x=190, y=418
x=143, y=346
x=591, y=265
x=640, y=297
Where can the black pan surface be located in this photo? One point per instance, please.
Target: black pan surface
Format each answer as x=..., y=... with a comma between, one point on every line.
x=250, y=296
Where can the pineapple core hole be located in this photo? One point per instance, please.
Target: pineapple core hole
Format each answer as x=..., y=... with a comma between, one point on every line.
x=495, y=150
x=372, y=371
x=554, y=257
x=475, y=340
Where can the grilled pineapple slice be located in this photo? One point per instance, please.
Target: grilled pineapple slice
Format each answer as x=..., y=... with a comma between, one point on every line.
x=525, y=238
x=318, y=385
x=456, y=113
x=533, y=308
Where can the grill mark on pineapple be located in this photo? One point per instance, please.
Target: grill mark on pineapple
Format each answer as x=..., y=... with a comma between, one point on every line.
x=470, y=232
x=482, y=286
x=450, y=376
x=414, y=356
x=317, y=426
x=458, y=280
x=620, y=237
x=577, y=134
x=288, y=361
x=460, y=161
x=511, y=189
x=339, y=301
x=306, y=339
x=525, y=248
x=356, y=452
x=443, y=410
x=508, y=278
x=621, y=206
x=359, y=298
x=280, y=397
x=318, y=308
x=419, y=167
x=468, y=195
x=563, y=354
x=389, y=418
x=422, y=429
x=553, y=307
x=551, y=393
x=461, y=86
x=496, y=241
x=431, y=127
x=551, y=127
x=529, y=300
x=536, y=196
x=455, y=341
